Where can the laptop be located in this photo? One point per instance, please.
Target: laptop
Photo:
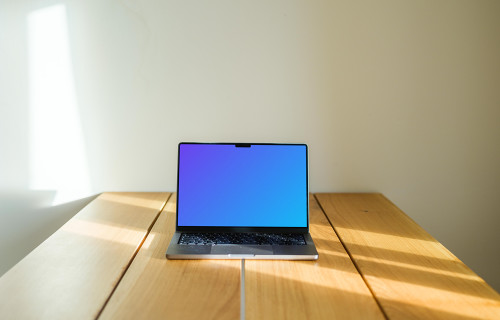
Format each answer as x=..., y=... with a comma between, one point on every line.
x=242, y=201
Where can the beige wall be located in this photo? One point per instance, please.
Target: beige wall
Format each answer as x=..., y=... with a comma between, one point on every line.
x=399, y=97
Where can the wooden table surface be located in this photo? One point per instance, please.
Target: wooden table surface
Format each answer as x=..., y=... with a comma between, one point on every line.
x=108, y=262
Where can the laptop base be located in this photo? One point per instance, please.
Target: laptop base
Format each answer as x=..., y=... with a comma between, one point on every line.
x=234, y=251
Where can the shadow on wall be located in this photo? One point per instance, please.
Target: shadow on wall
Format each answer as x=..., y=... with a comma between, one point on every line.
x=31, y=212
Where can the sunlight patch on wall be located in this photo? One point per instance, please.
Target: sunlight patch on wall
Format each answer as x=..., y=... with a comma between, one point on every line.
x=57, y=155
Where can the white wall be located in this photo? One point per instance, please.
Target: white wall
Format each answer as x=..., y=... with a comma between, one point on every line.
x=399, y=97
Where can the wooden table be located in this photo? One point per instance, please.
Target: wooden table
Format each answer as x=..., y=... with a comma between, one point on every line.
x=108, y=262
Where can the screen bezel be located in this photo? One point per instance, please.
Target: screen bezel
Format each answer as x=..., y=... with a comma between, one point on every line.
x=241, y=229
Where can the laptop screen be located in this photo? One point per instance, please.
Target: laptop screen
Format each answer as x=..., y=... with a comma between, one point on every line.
x=242, y=185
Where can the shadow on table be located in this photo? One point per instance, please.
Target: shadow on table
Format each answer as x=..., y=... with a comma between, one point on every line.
x=265, y=287
x=406, y=268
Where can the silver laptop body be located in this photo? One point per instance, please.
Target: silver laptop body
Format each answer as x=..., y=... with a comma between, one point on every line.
x=233, y=190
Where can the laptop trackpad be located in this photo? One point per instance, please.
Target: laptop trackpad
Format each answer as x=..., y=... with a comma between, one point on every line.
x=236, y=249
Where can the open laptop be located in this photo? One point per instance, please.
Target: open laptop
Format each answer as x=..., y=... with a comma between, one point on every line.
x=242, y=201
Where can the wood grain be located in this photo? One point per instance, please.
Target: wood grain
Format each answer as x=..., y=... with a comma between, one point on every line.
x=72, y=273
x=412, y=275
x=329, y=288
x=157, y=288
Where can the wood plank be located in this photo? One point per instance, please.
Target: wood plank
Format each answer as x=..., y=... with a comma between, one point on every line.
x=73, y=272
x=410, y=273
x=157, y=288
x=329, y=288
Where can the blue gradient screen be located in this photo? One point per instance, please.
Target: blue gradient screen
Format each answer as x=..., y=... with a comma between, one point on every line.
x=228, y=186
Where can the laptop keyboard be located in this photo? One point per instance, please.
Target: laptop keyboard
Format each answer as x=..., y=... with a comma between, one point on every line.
x=242, y=238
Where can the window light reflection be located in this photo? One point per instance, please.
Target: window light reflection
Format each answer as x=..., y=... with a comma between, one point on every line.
x=57, y=155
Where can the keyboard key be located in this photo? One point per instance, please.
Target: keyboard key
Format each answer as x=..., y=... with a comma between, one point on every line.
x=242, y=238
